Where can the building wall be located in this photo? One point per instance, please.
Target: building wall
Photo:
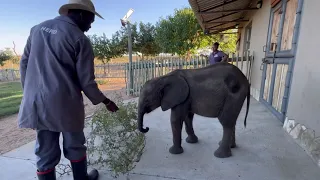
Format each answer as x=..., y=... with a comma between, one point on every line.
x=304, y=102
x=303, y=114
x=260, y=23
x=303, y=122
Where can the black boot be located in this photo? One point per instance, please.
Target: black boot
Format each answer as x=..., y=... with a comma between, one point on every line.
x=79, y=170
x=47, y=175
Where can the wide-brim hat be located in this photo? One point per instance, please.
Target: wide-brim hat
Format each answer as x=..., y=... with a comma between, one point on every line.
x=79, y=4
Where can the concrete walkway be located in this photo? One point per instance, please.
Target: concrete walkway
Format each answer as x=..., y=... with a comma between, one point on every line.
x=265, y=152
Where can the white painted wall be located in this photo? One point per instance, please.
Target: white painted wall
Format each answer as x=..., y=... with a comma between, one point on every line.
x=304, y=100
x=260, y=23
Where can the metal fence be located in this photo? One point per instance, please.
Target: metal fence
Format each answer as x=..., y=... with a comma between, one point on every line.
x=110, y=70
x=7, y=75
x=144, y=70
x=148, y=69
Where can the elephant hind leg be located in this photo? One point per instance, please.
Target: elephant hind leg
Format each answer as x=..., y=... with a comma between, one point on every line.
x=228, y=118
x=192, y=138
x=224, y=150
x=233, y=139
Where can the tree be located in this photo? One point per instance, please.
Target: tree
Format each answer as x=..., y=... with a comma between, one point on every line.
x=227, y=41
x=146, y=43
x=179, y=33
x=105, y=49
x=15, y=58
x=5, y=55
x=123, y=38
x=117, y=45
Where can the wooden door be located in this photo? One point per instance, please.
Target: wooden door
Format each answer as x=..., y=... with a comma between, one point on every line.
x=280, y=55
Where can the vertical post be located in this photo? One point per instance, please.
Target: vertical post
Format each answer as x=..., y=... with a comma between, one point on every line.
x=247, y=65
x=127, y=83
x=237, y=59
x=130, y=58
x=232, y=62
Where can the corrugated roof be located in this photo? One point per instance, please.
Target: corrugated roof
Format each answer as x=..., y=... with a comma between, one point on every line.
x=219, y=15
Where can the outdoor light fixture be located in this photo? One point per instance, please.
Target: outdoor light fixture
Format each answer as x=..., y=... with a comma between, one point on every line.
x=124, y=22
x=259, y=4
x=125, y=18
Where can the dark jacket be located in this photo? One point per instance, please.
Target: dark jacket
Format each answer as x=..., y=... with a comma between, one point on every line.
x=57, y=64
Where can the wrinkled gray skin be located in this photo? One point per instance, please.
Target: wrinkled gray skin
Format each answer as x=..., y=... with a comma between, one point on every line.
x=217, y=90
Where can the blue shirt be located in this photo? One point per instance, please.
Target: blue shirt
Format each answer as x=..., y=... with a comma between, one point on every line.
x=215, y=57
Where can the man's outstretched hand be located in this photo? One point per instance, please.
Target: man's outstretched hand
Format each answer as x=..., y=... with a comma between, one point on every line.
x=110, y=105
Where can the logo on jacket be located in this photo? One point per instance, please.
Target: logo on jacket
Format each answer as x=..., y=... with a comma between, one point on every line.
x=49, y=30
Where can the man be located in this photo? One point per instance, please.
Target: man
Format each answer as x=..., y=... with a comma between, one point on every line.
x=216, y=55
x=57, y=64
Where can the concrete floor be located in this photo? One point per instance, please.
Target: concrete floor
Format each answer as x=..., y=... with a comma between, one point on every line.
x=264, y=152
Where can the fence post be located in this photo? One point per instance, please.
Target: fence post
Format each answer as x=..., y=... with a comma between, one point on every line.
x=232, y=58
x=237, y=59
x=153, y=66
x=242, y=58
x=206, y=61
x=250, y=67
x=140, y=81
x=247, y=61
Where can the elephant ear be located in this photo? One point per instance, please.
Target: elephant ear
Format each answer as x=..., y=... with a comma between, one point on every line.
x=175, y=91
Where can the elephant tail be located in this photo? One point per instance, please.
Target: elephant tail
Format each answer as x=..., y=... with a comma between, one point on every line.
x=248, y=105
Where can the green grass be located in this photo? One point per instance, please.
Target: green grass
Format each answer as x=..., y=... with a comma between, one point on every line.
x=10, y=98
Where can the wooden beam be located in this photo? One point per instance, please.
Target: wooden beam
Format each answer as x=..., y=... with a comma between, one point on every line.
x=225, y=3
x=221, y=24
x=274, y=2
x=226, y=15
x=230, y=10
x=237, y=20
x=223, y=29
x=210, y=27
x=229, y=33
x=227, y=28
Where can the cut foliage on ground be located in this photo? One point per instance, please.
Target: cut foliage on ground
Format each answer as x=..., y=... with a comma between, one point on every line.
x=10, y=98
x=115, y=142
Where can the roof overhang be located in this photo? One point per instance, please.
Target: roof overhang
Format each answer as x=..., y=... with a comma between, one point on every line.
x=216, y=16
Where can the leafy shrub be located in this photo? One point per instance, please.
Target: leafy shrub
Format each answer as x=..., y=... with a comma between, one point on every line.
x=101, y=81
x=114, y=141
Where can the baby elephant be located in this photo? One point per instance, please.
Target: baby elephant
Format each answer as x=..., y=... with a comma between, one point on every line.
x=216, y=91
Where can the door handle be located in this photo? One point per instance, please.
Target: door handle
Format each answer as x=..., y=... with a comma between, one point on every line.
x=264, y=48
x=264, y=61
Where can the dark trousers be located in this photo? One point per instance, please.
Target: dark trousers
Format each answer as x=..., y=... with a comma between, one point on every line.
x=48, y=152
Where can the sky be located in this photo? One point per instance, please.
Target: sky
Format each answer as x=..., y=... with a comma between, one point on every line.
x=18, y=16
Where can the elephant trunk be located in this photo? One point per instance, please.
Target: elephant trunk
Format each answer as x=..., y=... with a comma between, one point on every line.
x=140, y=121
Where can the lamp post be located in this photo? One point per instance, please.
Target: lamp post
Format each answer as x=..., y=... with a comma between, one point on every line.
x=124, y=22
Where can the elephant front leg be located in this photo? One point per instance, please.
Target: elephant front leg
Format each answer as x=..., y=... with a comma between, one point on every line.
x=224, y=149
x=176, y=126
x=192, y=138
